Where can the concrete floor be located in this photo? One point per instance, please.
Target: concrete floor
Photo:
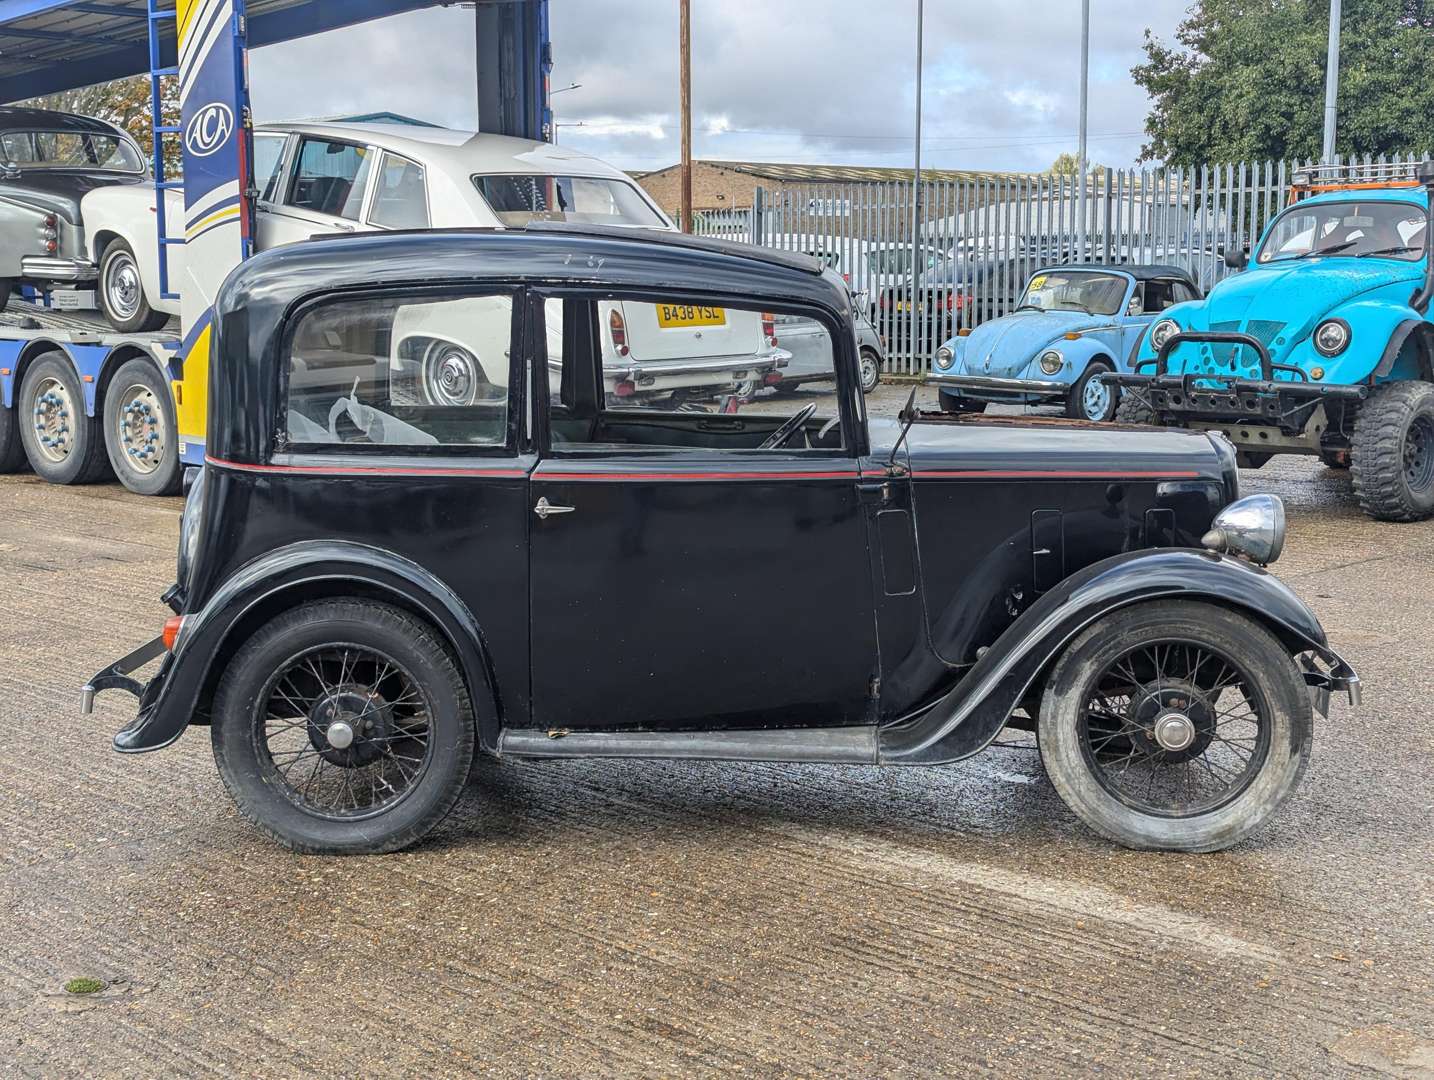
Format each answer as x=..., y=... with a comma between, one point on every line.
x=595, y=919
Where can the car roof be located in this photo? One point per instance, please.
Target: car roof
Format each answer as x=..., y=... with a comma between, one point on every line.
x=461, y=151
x=21, y=119
x=1139, y=271
x=1407, y=194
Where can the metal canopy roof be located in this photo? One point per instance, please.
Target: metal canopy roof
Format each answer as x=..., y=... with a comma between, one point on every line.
x=51, y=45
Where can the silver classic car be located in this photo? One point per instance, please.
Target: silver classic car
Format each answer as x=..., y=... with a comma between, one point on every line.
x=48, y=162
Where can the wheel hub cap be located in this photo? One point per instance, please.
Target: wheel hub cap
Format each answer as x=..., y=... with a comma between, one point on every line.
x=1175, y=718
x=140, y=428
x=123, y=287
x=340, y=735
x=1174, y=731
x=350, y=725
x=1096, y=399
x=53, y=412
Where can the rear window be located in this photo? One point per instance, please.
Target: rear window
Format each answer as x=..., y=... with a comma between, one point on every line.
x=587, y=200
x=406, y=373
x=69, y=150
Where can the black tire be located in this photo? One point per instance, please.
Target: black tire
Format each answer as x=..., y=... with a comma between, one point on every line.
x=870, y=370
x=12, y=451
x=1076, y=406
x=121, y=292
x=139, y=385
x=1134, y=409
x=52, y=387
x=1392, y=452
x=1274, y=691
x=242, y=708
x=955, y=406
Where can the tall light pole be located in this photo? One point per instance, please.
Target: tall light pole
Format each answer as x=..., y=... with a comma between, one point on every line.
x=916, y=171
x=684, y=33
x=1331, y=83
x=1082, y=154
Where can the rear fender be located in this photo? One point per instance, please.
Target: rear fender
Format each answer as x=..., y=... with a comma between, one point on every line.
x=283, y=579
x=973, y=713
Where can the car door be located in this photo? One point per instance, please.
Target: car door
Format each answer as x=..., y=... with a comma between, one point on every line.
x=680, y=575
x=323, y=191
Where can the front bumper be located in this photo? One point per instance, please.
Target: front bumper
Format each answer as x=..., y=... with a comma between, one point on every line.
x=977, y=385
x=1329, y=674
x=48, y=268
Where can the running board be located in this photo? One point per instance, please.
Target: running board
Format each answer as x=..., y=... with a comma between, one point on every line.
x=831, y=746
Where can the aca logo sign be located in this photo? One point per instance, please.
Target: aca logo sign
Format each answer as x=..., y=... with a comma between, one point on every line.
x=209, y=129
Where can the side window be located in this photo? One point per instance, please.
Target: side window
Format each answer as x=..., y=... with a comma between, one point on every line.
x=405, y=372
x=330, y=178
x=1159, y=295
x=268, y=154
x=690, y=373
x=1183, y=292
x=400, y=200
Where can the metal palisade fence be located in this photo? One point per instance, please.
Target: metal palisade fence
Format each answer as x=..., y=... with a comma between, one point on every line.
x=961, y=254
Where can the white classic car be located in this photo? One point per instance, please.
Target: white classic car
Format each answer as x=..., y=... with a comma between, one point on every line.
x=317, y=178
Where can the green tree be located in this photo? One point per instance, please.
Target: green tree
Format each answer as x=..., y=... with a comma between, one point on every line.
x=1068, y=165
x=124, y=103
x=1245, y=81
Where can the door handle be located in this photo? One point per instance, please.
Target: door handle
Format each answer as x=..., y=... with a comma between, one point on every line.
x=545, y=508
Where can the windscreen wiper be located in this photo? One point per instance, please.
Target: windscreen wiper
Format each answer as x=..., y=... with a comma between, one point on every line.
x=1389, y=250
x=1310, y=254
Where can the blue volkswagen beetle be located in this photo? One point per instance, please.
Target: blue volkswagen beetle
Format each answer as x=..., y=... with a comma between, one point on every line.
x=1072, y=325
x=1323, y=345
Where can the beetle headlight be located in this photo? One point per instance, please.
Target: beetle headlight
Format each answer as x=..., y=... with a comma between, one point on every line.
x=189, y=523
x=1051, y=361
x=945, y=357
x=1253, y=527
x=1331, y=337
x=1162, y=332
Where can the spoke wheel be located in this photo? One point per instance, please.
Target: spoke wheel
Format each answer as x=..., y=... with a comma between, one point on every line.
x=346, y=731
x=344, y=727
x=1175, y=725
x=1174, y=728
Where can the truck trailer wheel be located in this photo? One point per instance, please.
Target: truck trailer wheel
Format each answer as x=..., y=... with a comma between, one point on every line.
x=1392, y=452
x=140, y=433
x=63, y=444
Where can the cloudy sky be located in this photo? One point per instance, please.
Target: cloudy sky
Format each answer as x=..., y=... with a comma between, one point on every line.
x=773, y=80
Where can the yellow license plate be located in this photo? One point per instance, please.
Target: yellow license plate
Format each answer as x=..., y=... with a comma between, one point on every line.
x=673, y=315
x=901, y=305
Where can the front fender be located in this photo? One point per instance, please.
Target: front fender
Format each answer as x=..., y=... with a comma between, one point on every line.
x=977, y=708
x=281, y=579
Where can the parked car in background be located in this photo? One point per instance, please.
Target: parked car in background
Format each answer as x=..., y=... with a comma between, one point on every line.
x=806, y=348
x=1322, y=345
x=48, y=162
x=1073, y=325
x=370, y=592
x=323, y=178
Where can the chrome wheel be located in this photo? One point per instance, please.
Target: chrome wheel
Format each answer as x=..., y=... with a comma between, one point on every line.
x=123, y=291
x=139, y=427
x=345, y=731
x=1095, y=399
x=1175, y=729
x=54, y=418
x=452, y=375
x=870, y=372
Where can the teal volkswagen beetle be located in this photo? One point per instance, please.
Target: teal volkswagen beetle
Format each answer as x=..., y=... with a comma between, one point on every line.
x=1323, y=345
x=1073, y=324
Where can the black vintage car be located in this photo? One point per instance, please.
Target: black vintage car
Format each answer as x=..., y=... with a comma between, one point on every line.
x=48, y=162
x=371, y=589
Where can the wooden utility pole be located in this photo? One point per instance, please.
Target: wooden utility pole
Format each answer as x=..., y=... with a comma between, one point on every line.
x=685, y=46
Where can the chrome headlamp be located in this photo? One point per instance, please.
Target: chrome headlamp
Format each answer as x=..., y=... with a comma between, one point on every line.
x=1051, y=361
x=1162, y=332
x=1253, y=527
x=1331, y=337
x=945, y=357
x=189, y=523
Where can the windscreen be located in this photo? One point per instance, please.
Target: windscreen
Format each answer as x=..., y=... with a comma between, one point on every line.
x=586, y=200
x=69, y=150
x=1075, y=290
x=1391, y=230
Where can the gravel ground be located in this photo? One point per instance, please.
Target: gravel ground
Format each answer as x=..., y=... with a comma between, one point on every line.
x=606, y=918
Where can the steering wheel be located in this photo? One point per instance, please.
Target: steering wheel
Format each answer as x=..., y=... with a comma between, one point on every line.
x=787, y=430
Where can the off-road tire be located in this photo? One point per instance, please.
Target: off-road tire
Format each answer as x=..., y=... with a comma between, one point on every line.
x=1075, y=408
x=167, y=478
x=870, y=357
x=86, y=462
x=1377, y=451
x=1134, y=409
x=144, y=319
x=410, y=641
x=1278, y=683
x=12, y=452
